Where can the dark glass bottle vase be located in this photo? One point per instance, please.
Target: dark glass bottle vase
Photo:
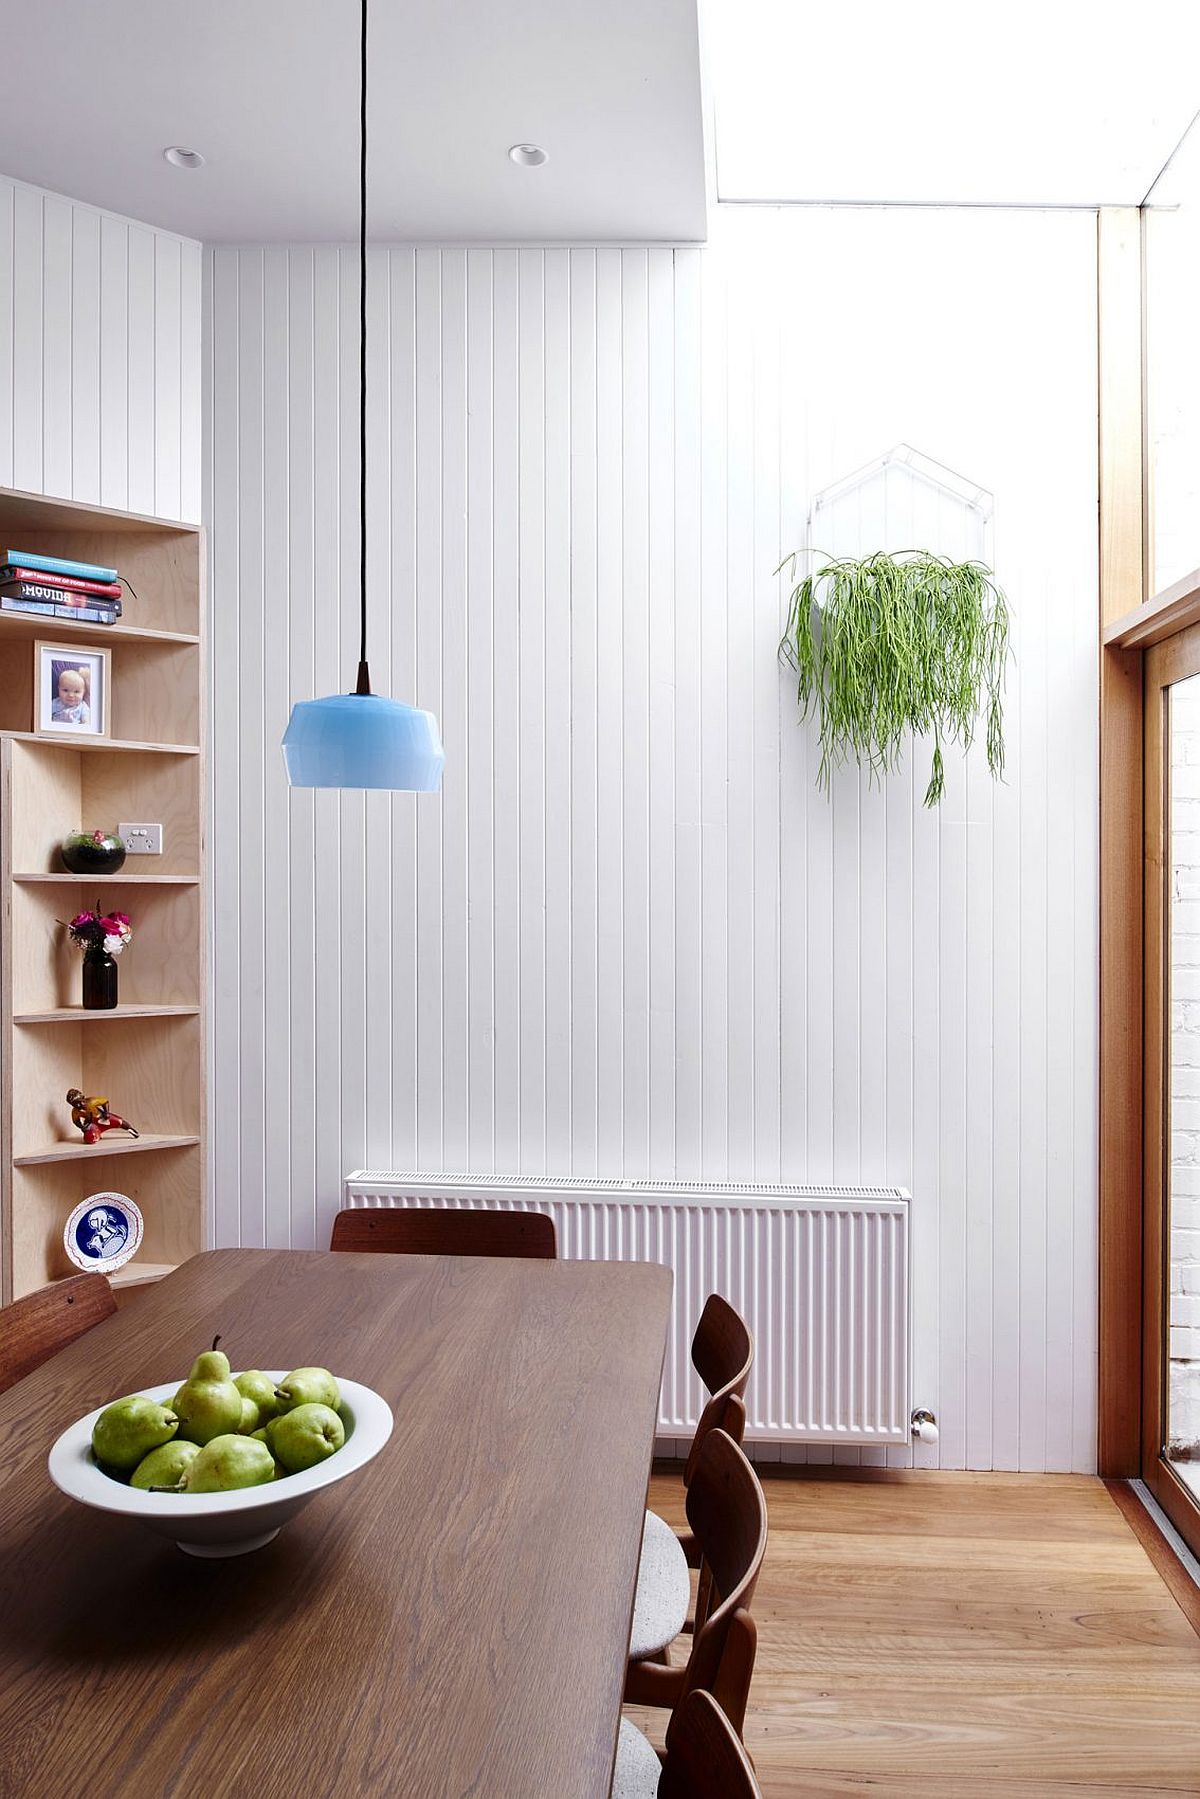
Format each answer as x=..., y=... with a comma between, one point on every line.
x=99, y=980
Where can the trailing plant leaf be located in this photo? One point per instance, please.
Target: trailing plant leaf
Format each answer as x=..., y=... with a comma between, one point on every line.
x=885, y=645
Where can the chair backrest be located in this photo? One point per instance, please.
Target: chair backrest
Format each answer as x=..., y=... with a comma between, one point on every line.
x=704, y=1759
x=36, y=1327
x=727, y=1512
x=722, y=1355
x=466, y=1231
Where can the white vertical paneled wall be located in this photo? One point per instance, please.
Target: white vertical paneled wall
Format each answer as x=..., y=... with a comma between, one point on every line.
x=631, y=937
x=99, y=357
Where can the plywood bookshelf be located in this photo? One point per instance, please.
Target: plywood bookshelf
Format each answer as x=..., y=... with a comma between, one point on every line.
x=148, y=1054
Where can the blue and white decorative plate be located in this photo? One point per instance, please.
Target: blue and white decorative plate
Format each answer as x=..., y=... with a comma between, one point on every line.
x=103, y=1232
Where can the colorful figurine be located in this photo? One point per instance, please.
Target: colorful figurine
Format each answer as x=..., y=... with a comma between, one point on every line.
x=92, y=1114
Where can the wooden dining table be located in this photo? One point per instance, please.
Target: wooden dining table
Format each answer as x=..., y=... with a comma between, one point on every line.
x=452, y=1619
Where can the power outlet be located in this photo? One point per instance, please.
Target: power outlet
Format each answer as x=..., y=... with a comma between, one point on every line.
x=141, y=840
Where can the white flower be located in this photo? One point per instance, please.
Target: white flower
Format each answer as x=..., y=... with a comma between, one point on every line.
x=113, y=945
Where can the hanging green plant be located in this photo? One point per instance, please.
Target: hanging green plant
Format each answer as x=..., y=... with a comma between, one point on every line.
x=883, y=645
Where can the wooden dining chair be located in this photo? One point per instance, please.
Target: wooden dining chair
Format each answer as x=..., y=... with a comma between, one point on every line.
x=727, y=1513
x=445, y=1231
x=703, y=1758
x=722, y=1355
x=36, y=1327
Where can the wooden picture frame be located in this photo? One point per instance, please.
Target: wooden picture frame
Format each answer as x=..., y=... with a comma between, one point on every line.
x=72, y=690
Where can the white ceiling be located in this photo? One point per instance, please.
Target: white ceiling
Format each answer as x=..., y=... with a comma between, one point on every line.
x=1033, y=102
x=268, y=91
x=1029, y=102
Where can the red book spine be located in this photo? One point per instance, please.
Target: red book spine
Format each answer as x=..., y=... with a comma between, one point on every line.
x=73, y=582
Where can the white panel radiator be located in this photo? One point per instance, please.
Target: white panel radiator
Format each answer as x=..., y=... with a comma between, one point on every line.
x=820, y=1274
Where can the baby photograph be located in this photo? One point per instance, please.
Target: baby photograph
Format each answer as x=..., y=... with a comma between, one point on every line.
x=71, y=690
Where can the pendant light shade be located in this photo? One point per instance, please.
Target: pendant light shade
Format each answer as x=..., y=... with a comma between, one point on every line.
x=361, y=739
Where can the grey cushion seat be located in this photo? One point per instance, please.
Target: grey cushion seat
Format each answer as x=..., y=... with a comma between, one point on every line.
x=637, y=1769
x=663, y=1592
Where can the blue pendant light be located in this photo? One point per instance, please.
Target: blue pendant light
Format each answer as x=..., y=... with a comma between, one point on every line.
x=361, y=739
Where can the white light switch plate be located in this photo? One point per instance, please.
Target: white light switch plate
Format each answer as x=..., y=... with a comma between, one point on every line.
x=141, y=840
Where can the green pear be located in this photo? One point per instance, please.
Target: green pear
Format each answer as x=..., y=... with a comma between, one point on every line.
x=305, y=1436
x=164, y=1466
x=208, y=1404
x=249, y=1421
x=263, y=1435
x=129, y=1429
x=308, y=1386
x=259, y=1387
x=228, y=1462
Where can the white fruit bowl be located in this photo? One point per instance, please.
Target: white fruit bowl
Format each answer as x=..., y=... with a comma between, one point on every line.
x=219, y=1524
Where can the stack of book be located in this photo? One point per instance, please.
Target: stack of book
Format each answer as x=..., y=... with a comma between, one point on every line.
x=58, y=588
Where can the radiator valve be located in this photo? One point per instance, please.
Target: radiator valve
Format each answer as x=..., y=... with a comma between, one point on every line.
x=924, y=1426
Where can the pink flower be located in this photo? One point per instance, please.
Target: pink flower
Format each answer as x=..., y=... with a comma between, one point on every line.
x=116, y=929
x=80, y=920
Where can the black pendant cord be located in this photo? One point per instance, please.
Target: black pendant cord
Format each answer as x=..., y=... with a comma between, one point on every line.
x=364, y=679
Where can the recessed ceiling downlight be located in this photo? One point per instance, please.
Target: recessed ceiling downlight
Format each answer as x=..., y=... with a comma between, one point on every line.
x=528, y=156
x=180, y=158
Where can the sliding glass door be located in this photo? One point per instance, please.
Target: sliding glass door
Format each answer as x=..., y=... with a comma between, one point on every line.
x=1171, y=1344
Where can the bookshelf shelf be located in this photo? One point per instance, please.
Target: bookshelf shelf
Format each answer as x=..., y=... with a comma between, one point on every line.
x=80, y=746
x=140, y=1274
x=27, y=626
x=126, y=879
x=77, y=1015
x=19, y=509
x=79, y=1151
x=148, y=1052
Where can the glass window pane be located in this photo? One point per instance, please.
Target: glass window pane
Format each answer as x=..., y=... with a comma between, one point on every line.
x=1183, y=1090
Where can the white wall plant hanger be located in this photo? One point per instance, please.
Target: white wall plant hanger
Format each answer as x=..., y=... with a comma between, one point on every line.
x=886, y=640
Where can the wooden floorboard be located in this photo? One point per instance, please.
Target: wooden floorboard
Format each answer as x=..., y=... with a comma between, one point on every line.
x=966, y=1635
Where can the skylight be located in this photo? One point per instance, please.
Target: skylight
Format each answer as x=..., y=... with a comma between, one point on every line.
x=946, y=102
